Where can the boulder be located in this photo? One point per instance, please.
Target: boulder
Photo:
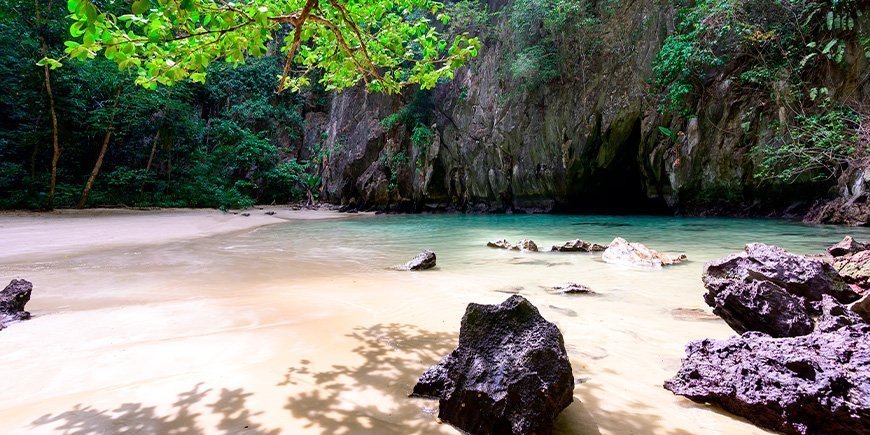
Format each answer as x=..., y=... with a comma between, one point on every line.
x=847, y=246
x=509, y=374
x=855, y=270
x=578, y=245
x=523, y=245
x=760, y=306
x=801, y=276
x=12, y=301
x=620, y=251
x=422, y=261
x=815, y=383
x=571, y=289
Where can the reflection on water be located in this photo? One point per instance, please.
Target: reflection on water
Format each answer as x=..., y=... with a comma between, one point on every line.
x=302, y=328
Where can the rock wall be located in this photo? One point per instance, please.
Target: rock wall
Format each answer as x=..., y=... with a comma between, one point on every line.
x=586, y=141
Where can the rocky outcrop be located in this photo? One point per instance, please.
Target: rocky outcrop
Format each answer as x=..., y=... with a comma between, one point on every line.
x=620, y=251
x=13, y=298
x=509, y=374
x=525, y=245
x=422, y=261
x=770, y=290
x=851, y=206
x=816, y=383
x=578, y=245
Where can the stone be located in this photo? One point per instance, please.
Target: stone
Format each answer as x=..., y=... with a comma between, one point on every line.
x=692, y=314
x=855, y=270
x=509, y=374
x=862, y=307
x=571, y=289
x=422, y=261
x=578, y=245
x=760, y=306
x=805, y=277
x=815, y=383
x=523, y=245
x=501, y=244
x=13, y=298
x=847, y=246
x=620, y=251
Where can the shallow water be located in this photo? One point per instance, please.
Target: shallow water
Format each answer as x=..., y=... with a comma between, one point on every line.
x=301, y=327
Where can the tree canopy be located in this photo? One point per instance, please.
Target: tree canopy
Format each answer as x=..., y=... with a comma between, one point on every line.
x=387, y=44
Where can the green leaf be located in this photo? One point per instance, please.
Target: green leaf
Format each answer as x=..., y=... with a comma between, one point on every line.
x=140, y=6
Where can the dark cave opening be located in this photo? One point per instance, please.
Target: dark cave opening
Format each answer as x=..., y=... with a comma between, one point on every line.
x=616, y=188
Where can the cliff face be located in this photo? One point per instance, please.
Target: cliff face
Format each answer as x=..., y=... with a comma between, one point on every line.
x=588, y=140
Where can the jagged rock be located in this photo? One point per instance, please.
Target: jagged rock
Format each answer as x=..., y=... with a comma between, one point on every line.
x=422, y=261
x=12, y=301
x=760, y=306
x=834, y=315
x=847, y=246
x=620, y=251
x=571, y=288
x=578, y=246
x=767, y=289
x=855, y=270
x=805, y=277
x=509, y=374
x=522, y=245
x=816, y=383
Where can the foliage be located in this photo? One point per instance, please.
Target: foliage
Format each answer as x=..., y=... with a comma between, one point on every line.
x=388, y=44
x=229, y=142
x=819, y=145
x=781, y=53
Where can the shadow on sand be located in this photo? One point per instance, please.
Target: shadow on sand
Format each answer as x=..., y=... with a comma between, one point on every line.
x=365, y=398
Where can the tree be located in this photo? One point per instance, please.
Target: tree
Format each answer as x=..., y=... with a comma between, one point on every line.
x=387, y=44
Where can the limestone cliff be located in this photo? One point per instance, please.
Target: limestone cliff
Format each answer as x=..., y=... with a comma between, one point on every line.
x=587, y=140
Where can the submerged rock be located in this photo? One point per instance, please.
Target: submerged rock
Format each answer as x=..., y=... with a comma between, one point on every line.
x=817, y=383
x=422, y=261
x=620, y=251
x=571, y=288
x=578, y=245
x=12, y=301
x=523, y=245
x=509, y=374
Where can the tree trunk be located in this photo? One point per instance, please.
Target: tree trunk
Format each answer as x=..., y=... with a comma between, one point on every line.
x=150, y=160
x=54, y=140
x=103, y=148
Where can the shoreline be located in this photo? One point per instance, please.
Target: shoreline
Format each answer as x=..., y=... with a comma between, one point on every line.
x=24, y=239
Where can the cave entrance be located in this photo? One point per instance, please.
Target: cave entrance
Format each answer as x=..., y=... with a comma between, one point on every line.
x=615, y=188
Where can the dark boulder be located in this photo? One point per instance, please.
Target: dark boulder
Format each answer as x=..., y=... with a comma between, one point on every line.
x=770, y=290
x=12, y=301
x=847, y=246
x=817, y=383
x=422, y=261
x=802, y=276
x=509, y=374
x=760, y=306
x=578, y=246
